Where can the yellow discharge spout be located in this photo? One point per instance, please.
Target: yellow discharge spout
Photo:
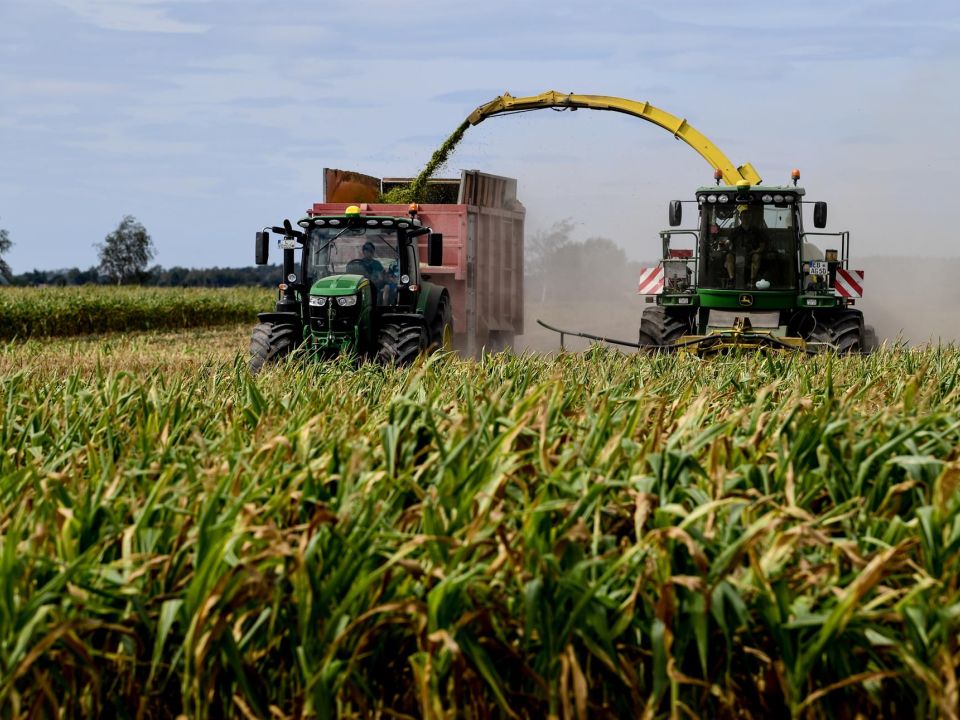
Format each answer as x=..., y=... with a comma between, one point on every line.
x=679, y=127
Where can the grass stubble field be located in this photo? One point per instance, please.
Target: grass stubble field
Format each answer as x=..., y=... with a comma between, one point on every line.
x=582, y=535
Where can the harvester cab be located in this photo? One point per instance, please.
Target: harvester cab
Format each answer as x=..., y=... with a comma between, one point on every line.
x=754, y=278
x=358, y=290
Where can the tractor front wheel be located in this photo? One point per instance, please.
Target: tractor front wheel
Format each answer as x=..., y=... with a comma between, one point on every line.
x=400, y=344
x=270, y=343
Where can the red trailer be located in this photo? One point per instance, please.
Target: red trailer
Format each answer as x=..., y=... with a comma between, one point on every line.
x=482, y=225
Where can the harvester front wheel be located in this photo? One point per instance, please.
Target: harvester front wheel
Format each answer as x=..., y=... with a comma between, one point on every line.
x=843, y=330
x=660, y=329
x=400, y=344
x=270, y=343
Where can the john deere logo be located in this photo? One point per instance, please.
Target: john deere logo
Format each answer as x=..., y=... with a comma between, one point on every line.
x=746, y=300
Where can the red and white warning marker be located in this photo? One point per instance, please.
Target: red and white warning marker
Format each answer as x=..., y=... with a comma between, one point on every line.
x=651, y=281
x=849, y=283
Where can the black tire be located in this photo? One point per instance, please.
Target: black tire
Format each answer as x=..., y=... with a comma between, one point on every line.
x=441, y=327
x=498, y=341
x=400, y=344
x=660, y=329
x=270, y=343
x=842, y=329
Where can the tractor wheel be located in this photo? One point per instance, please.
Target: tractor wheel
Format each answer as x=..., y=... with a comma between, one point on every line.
x=498, y=341
x=843, y=330
x=659, y=330
x=441, y=329
x=271, y=343
x=400, y=344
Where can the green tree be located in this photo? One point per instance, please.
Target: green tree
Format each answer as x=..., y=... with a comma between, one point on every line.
x=5, y=244
x=125, y=252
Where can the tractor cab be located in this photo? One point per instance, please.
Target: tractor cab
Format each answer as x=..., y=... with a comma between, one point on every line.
x=374, y=254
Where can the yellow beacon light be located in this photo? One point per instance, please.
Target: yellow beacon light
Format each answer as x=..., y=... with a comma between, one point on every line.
x=352, y=210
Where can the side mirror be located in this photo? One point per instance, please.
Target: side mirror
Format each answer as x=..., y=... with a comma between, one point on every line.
x=435, y=249
x=820, y=214
x=676, y=212
x=262, y=247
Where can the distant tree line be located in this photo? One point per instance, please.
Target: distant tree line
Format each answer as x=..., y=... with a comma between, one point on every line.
x=124, y=255
x=556, y=266
x=156, y=276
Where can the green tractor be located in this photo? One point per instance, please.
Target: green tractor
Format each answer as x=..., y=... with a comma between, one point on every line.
x=753, y=278
x=358, y=291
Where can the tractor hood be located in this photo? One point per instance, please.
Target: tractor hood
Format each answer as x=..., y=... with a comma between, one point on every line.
x=338, y=285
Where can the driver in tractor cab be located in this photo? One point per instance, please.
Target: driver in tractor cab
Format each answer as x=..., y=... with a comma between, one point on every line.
x=747, y=239
x=371, y=266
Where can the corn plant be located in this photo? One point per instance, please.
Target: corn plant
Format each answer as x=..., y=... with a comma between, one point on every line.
x=56, y=311
x=591, y=535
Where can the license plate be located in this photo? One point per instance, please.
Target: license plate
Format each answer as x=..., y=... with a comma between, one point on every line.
x=288, y=244
x=819, y=267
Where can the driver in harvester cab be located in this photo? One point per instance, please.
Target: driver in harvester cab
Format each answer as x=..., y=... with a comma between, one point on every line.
x=747, y=239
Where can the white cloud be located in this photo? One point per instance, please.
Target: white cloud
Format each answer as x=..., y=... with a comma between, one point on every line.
x=132, y=15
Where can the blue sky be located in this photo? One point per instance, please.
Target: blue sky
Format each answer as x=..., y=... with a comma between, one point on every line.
x=209, y=119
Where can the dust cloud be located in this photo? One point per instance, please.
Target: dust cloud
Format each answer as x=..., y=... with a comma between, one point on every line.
x=595, y=293
x=914, y=300
x=617, y=318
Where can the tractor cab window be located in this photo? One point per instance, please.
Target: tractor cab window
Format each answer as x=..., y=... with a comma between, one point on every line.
x=748, y=247
x=371, y=252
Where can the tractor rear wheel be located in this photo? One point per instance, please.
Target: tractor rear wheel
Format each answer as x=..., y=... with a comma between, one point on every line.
x=400, y=344
x=441, y=328
x=660, y=329
x=270, y=343
x=842, y=329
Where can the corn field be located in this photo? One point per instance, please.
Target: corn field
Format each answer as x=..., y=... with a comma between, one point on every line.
x=580, y=536
x=56, y=311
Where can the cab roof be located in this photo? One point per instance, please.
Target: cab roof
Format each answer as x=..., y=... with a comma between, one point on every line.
x=781, y=189
x=373, y=221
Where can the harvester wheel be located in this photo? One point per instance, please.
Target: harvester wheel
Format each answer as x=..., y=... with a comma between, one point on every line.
x=400, y=344
x=270, y=343
x=441, y=329
x=659, y=329
x=843, y=329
